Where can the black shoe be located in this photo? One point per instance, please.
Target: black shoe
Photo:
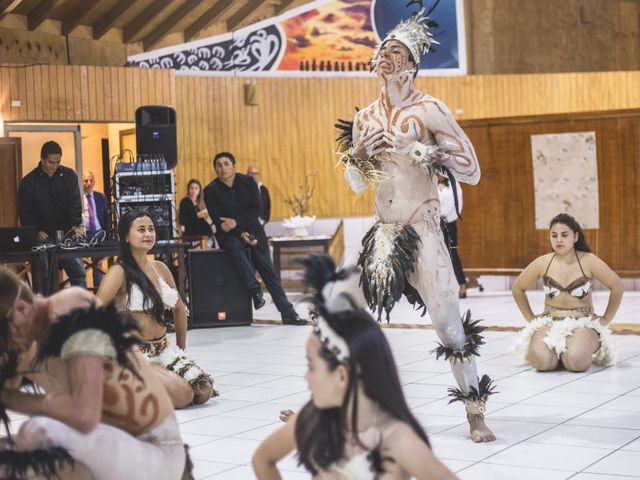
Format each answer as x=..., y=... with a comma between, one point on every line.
x=292, y=319
x=258, y=300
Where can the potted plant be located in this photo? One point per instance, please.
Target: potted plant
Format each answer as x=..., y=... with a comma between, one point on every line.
x=299, y=204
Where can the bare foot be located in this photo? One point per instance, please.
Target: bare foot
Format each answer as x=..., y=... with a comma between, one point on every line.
x=285, y=415
x=479, y=430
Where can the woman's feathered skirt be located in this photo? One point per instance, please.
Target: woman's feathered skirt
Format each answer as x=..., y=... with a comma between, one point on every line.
x=562, y=323
x=175, y=360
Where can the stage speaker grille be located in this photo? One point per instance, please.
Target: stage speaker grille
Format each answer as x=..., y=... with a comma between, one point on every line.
x=218, y=298
x=156, y=134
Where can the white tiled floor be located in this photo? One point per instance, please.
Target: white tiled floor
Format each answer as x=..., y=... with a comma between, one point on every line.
x=495, y=307
x=557, y=425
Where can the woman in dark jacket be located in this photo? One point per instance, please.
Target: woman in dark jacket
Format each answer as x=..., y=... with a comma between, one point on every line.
x=193, y=215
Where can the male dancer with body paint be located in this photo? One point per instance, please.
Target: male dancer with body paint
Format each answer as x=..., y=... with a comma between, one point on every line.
x=398, y=145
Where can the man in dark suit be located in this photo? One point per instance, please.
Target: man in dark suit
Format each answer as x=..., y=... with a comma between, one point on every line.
x=95, y=217
x=49, y=199
x=233, y=202
x=265, y=199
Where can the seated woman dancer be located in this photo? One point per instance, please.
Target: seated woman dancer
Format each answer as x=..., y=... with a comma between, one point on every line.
x=357, y=425
x=567, y=331
x=145, y=288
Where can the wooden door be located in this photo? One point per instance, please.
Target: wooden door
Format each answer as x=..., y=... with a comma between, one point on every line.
x=11, y=168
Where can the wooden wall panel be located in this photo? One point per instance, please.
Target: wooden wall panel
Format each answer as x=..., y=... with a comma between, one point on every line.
x=498, y=227
x=11, y=167
x=290, y=132
x=524, y=36
x=60, y=93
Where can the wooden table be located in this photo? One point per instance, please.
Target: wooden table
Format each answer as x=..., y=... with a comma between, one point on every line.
x=298, y=247
x=34, y=259
x=282, y=244
x=98, y=251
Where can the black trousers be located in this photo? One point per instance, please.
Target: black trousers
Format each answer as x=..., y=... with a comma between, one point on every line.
x=261, y=259
x=452, y=233
x=73, y=267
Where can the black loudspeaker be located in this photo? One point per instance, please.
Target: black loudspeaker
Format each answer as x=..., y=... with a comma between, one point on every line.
x=218, y=297
x=156, y=134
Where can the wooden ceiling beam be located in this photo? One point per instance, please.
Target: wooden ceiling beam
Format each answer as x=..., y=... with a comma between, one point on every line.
x=106, y=22
x=168, y=23
x=39, y=14
x=7, y=6
x=247, y=11
x=79, y=12
x=135, y=26
x=283, y=6
x=207, y=18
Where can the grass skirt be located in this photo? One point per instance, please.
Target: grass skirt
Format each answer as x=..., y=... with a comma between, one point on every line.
x=563, y=323
x=175, y=360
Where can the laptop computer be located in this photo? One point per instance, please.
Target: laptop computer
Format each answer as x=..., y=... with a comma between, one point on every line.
x=17, y=239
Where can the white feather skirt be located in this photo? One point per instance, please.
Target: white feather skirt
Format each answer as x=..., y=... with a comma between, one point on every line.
x=560, y=329
x=175, y=360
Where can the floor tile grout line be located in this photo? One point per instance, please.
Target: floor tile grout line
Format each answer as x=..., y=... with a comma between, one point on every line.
x=611, y=453
x=428, y=401
x=554, y=426
x=544, y=431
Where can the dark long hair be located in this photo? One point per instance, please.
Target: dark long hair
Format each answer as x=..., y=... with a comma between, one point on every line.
x=320, y=433
x=574, y=226
x=133, y=274
x=200, y=199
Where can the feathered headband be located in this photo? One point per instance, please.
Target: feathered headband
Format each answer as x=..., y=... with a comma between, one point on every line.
x=331, y=297
x=413, y=33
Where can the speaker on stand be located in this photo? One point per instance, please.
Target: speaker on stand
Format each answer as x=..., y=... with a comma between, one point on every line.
x=148, y=183
x=156, y=134
x=217, y=296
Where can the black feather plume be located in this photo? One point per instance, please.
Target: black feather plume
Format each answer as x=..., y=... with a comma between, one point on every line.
x=414, y=298
x=39, y=463
x=121, y=328
x=320, y=270
x=384, y=278
x=345, y=135
x=188, y=465
x=430, y=11
x=419, y=3
x=8, y=370
x=473, y=340
x=485, y=388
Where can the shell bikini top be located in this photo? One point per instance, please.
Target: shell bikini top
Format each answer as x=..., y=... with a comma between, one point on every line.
x=169, y=296
x=579, y=288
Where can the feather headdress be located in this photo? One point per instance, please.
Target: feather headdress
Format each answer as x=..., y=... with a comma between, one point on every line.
x=331, y=297
x=414, y=33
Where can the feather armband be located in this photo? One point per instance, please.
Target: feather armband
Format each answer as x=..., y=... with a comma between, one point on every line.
x=427, y=158
x=369, y=169
x=473, y=340
x=475, y=401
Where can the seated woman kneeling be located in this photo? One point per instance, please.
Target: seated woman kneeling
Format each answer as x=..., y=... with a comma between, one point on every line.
x=567, y=331
x=145, y=288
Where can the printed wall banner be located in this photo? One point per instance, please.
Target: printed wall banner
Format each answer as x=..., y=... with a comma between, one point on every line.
x=322, y=38
x=565, y=176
